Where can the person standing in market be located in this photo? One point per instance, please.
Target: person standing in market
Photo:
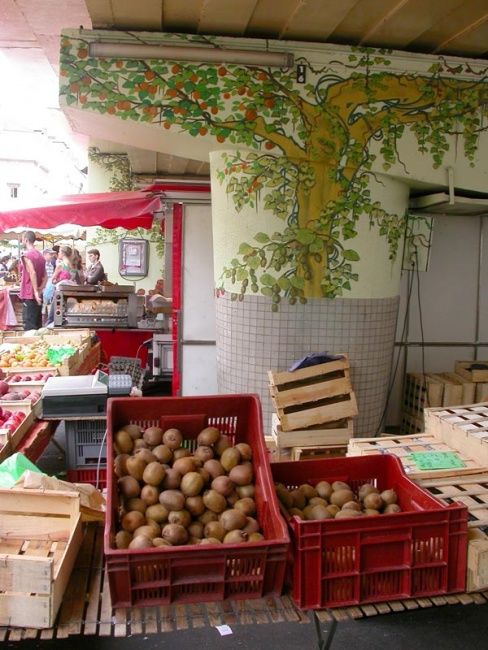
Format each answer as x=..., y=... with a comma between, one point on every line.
x=32, y=281
x=95, y=273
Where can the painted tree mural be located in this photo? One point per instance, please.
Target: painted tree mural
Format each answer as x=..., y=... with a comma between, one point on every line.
x=303, y=151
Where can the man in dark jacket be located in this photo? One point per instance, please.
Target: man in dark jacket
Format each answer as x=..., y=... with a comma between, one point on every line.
x=95, y=273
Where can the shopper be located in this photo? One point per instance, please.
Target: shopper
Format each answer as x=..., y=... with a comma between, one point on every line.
x=32, y=281
x=78, y=265
x=95, y=273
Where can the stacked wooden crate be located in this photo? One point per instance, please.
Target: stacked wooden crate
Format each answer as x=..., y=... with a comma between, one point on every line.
x=314, y=410
x=437, y=389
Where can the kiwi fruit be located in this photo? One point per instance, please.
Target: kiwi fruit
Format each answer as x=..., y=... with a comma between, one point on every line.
x=213, y=467
x=373, y=500
x=210, y=540
x=333, y=509
x=191, y=484
x=136, y=503
x=296, y=512
x=146, y=454
x=172, y=438
x=246, y=505
x=230, y=458
x=132, y=520
x=255, y=537
x=370, y=512
x=340, y=485
x=153, y=474
x=245, y=490
x=366, y=489
x=140, y=443
x=150, y=495
x=148, y=531
x=284, y=496
x=120, y=465
x=195, y=505
x=163, y=454
x=223, y=485
x=318, y=501
x=324, y=489
x=195, y=529
x=172, y=479
x=207, y=516
x=204, y=453
x=232, y=519
x=208, y=436
x=159, y=541
x=180, y=452
x=343, y=514
x=351, y=505
x=123, y=441
x=157, y=513
x=245, y=450
x=141, y=541
x=241, y=474
x=135, y=466
x=129, y=486
x=172, y=499
x=184, y=465
x=176, y=534
x=134, y=430
x=341, y=496
x=252, y=526
x=153, y=436
x=215, y=529
x=122, y=539
x=214, y=501
x=389, y=497
x=392, y=508
x=299, y=499
x=235, y=537
x=181, y=517
x=308, y=491
x=222, y=444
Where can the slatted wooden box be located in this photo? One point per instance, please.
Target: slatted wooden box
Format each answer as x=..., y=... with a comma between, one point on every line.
x=472, y=491
x=320, y=441
x=464, y=369
x=314, y=395
x=404, y=446
x=40, y=536
x=461, y=427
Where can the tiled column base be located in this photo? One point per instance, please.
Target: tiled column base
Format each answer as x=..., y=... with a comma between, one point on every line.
x=251, y=340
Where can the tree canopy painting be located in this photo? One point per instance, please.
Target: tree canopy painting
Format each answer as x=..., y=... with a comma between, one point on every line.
x=302, y=151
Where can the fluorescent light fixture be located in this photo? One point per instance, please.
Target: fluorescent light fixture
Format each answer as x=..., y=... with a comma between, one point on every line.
x=187, y=53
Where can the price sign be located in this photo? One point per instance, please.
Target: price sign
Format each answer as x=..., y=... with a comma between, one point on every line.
x=426, y=460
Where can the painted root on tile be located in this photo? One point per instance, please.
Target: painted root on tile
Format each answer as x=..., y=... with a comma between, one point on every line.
x=301, y=151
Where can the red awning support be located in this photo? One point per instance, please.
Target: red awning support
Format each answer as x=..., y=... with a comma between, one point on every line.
x=108, y=210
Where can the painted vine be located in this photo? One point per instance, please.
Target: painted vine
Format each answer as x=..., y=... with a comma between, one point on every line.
x=310, y=160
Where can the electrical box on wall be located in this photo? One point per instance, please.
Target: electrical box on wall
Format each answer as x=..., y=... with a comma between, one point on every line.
x=133, y=257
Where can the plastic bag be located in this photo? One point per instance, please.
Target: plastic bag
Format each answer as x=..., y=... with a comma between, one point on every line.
x=56, y=355
x=13, y=467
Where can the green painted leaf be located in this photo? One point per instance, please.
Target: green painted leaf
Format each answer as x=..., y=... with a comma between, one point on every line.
x=351, y=255
x=267, y=279
x=245, y=249
x=304, y=236
x=261, y=237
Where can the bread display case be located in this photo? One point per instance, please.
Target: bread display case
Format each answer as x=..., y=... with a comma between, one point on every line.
x=107, y=306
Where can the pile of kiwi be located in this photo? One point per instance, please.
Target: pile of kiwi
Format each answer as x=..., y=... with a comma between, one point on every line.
x=336, y=500
x=171, y=496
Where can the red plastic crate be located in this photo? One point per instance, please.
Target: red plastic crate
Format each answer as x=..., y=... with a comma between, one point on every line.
x=87, y=475
x=420, y=551
x=188, y=574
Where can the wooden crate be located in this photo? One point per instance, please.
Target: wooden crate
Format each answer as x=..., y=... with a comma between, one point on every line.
x=40, y=535
x=464, y=428
x=404, y=446
x=463, y=368
x=314, y=395
x=318, y=451
x=9, y=441
x=420, y=391
x=465, y=396
x=331, y=433
x=411, y=424
x=473, y=492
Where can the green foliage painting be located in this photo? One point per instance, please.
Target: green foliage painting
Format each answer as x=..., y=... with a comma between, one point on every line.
x=302, y=151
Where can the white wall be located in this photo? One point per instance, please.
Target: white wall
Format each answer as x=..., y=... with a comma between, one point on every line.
x=449, y=303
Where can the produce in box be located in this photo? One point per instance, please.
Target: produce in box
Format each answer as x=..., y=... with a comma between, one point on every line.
x=172, y=496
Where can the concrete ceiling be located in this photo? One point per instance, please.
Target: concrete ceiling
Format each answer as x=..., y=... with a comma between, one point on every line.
x=29, y=32
x=458, y=27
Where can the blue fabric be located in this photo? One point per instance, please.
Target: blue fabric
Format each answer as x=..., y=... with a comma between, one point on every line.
x=313, y=359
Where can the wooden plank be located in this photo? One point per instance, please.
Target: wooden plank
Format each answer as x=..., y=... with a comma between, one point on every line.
x=286, y=377
x=410, y=604
x=383, y=608
x=318, y=451
x=135, y=620
x=94, y=586
x=329, y=434
x=260, y=610
x=469, y=387
x=105, y=624
x=313, y=393
x=396, y=605
x=197, y=615
x=230, y=617
x=120, y=622
x=214, y=614
x=181, y=617
x=369, y=610
x=151, y=620
x=167, y=619
x=274, y=610
x=330, y=412
x=424, y=602
x=324, y=616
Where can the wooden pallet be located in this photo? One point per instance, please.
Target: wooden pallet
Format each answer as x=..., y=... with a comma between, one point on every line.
x=473, y=492
x=463, y=368
x=87, y=611
x=404, y=446
x=40, y=536
x=318, y=451
x=464, y=428
x=314, y=395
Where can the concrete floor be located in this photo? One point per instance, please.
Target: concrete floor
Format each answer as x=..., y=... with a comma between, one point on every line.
x=448, y=627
